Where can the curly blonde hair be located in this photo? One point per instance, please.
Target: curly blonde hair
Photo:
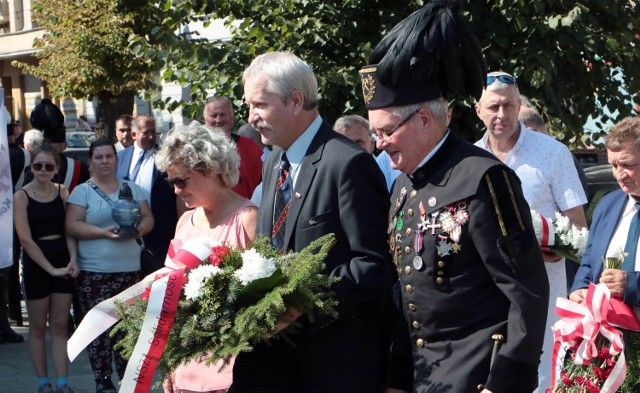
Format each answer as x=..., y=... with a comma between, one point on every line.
x=200, y=148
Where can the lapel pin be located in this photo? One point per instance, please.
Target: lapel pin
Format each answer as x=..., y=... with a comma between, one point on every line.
x=297, y=195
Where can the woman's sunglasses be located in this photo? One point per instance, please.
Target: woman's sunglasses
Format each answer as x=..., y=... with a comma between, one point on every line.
x=47, y=167
x=178, y=182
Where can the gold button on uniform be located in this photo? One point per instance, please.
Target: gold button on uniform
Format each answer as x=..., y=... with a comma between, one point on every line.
x=408, y=231
x=416, y=325
x=413, y=194
x=441, y=264
x=407, y=270
x=440, y=273
x=420, y=343
x=439, y=280
x=410, y=212
x=407, y=250
x=412, y=307
x=408, y=289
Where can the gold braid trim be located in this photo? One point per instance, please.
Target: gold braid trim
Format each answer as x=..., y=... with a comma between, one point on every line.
x=494, y=197
x=513, y=200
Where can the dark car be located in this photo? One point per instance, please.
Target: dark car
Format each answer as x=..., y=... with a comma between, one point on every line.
x=600, y=181
x=78, y=143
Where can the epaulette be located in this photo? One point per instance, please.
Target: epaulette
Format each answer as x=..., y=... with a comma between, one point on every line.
x=514, y=239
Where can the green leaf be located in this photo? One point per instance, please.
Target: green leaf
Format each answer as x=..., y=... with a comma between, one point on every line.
x=256, y=289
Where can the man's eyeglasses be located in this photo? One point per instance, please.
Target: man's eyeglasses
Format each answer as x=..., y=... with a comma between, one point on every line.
x=181, y=183
x=37, y=166
x=386, y=136
x=504, y=78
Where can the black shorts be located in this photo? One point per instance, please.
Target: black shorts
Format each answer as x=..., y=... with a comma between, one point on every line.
x=39, y=284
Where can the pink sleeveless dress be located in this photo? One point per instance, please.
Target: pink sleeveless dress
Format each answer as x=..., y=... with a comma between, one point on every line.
x=196, y=376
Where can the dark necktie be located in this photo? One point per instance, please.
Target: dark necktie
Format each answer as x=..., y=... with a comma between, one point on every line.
x=136, y=168
x=284, y=188
x=630, y=247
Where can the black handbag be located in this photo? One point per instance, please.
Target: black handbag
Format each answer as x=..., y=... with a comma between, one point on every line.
x=149, y=261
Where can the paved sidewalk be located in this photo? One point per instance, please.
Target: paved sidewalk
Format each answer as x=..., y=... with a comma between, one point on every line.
x=17, y=375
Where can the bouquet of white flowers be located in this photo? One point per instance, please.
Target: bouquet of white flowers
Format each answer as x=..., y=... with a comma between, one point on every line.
x=225, y=301
x=559, y=236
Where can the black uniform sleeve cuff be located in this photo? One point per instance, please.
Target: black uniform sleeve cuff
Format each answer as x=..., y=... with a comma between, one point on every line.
x=400, y=372
x=509, y=375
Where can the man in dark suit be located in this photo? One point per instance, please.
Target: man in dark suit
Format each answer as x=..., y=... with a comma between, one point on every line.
x=473, y=290
x=136, y=163
x=337, y=188
x=611, y=231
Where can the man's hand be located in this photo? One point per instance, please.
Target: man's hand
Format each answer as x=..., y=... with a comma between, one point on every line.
x=287, y=317
x=551, y=257
x=615, y=280
x=579, y=295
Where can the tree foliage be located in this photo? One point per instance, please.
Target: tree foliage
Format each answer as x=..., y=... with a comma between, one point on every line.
x=85, y=53
x=569, y=56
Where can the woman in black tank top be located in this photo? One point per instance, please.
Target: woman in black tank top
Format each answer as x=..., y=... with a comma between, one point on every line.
x=50, y=265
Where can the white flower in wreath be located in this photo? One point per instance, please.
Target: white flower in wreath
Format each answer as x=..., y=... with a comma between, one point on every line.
x=193, y=290
x=562, y=223
x=254, y=266
x=580, y=238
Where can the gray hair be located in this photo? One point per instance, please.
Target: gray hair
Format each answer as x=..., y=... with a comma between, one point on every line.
x=349, y=121
x=33, y=139
x=202, y=149
x=532, y=119
x=623, y=134
x=286, y=73
x=438, y=108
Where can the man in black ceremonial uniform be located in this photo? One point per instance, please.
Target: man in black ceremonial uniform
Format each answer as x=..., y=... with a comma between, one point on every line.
x=473, y=292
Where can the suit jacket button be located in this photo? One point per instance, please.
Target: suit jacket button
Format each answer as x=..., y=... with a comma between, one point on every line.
x=408, y=232
x=410, y=212
x=416, y=325
x=413, y=194
x=408, y=289
x=439, y=280
x=412, y=307
x=407, y=250
x=441, y=264
x=407, y=270
x=420, y=343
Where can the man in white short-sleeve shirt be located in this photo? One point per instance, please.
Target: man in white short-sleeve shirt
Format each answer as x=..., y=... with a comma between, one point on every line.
x=549, y=178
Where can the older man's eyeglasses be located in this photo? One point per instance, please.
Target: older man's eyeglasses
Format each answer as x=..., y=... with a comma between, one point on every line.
x=504, y=78
x=180, y=182
x=386, y=136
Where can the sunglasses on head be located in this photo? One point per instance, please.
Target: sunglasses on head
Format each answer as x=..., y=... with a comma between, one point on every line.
x=504, y=78
x=47, y=167
x=177, y=182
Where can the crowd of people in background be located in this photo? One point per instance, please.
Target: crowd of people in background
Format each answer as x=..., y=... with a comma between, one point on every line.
x=427, y=302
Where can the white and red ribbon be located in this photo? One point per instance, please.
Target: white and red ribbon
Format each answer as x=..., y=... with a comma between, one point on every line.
x=167, y=284
x=543, y=228
x=580, y=325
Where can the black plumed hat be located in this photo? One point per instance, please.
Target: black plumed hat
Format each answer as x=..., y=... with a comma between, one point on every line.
x=48, y=118
x=430, y=54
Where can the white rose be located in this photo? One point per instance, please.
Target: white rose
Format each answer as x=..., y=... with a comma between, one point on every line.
x=254, y=266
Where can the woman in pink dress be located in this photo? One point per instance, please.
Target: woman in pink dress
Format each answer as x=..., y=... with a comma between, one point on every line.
x=202, y=167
